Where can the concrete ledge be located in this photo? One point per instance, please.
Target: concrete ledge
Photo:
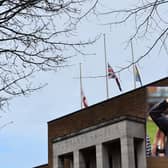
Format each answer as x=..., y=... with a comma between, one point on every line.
x=92, y=128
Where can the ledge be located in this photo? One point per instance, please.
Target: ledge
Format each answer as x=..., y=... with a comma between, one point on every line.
x=113, y=121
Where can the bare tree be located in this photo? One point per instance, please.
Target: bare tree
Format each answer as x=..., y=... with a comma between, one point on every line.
x=150, y=23
x=33, y=37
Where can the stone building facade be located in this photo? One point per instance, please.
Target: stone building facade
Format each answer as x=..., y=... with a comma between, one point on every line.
x=110, y=134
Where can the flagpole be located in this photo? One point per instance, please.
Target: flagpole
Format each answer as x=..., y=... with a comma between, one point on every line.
x=105, y=59
x=133, y=64
x=80, y=65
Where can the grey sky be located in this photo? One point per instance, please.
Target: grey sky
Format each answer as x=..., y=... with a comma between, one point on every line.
x=24, y=143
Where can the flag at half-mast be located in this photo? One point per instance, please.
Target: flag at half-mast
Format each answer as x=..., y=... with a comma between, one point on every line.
x=84, y=100
x=137, y=75
x=111, y=74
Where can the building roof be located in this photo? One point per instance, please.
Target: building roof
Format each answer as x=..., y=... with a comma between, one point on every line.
x=42, y=166
x=132, y=104
x=161, y=82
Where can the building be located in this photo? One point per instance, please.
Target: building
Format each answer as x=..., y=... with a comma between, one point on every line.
x=110, y=134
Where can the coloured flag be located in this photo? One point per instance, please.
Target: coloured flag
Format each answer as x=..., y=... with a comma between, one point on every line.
x=118, y=83
x=84, y=100
x=137, y=75
x=111, y=74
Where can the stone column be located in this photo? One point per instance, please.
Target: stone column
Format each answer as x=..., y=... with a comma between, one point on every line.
x=141, y=154
x=76, y=159
x=127, y=152
x=101, y=156
x=58, y=162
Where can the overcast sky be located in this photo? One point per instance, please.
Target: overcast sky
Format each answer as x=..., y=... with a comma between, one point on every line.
x=24, y=143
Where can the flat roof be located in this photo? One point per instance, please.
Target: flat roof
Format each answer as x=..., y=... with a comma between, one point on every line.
x=160, y=82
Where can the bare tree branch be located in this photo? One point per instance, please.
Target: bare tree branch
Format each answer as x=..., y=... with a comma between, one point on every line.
x=150, y=22
x=33, y=37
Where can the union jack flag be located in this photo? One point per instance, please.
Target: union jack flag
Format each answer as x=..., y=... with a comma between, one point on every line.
x=111, y=74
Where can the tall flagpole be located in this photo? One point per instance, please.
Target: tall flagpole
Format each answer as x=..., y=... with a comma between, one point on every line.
x=133, y=65
x=105, y=58
x=80, y=65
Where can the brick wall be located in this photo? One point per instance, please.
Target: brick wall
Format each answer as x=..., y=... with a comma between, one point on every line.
x=130, y=104
x=163, y=82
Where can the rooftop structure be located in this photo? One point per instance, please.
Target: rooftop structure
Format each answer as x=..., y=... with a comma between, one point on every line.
x=110, y=134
